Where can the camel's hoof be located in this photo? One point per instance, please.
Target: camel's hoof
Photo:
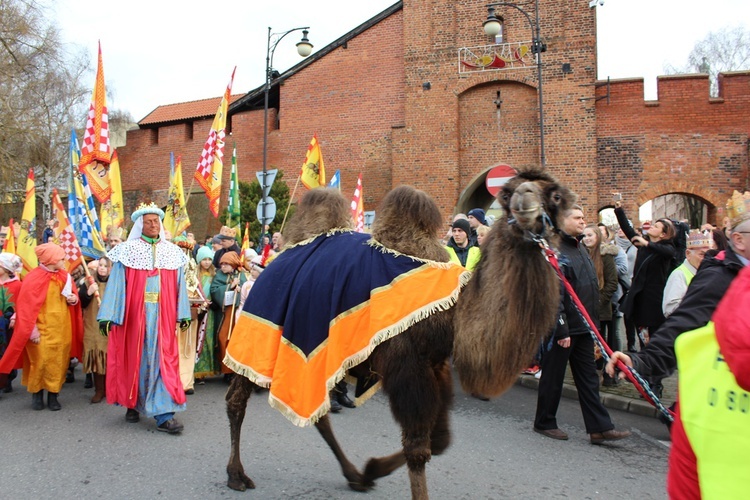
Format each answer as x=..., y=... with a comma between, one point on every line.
x=361, y=486
x=241, y=483
x=372, y=471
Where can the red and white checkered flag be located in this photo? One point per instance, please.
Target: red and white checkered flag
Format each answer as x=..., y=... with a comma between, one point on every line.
x=64, y=235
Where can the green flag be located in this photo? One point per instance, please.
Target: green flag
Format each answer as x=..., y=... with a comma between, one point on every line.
x=233, y=207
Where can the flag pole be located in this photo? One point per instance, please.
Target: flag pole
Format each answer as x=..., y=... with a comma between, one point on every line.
x=288, y=204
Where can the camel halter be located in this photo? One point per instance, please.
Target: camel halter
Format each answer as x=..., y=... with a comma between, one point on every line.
x=541, y=237
x=633, y=376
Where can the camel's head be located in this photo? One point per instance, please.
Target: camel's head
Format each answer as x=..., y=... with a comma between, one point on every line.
x=535, y=202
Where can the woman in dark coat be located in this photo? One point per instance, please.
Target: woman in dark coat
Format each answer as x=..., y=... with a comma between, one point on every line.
x=653, y=263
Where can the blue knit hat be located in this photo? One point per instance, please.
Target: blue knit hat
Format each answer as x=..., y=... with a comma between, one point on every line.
x=204, y=252
x=478, y=214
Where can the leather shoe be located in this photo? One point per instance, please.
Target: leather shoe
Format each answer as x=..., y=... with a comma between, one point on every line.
x=611, y=435
x=52, y=403
x=335, y=406
x=344, y=400
x=132, y=416
x=552, y=433
x=171, y=426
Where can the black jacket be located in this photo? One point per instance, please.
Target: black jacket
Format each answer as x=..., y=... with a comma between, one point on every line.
x=578, y=269
x=714, y=276
x=653, y=263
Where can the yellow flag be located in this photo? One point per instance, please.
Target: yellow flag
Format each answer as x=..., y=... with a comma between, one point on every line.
x=27, y=238
x=176, y=218
x=313, y=170
x=112, y=212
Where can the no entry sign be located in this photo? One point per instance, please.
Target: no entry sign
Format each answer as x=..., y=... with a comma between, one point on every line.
x=498, y=176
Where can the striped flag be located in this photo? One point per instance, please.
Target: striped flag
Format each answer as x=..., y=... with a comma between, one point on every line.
x=245, y=243
x=210, y=166
x=358, y=208
x=336, y=180
x=64, y=234
x=233, y=206
x=96, y=153
x=313, y=169
x=27, y=237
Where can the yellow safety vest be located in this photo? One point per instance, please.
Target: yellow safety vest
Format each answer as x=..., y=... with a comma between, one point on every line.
x=472, y=259
x=715, y=413
x=685, y=271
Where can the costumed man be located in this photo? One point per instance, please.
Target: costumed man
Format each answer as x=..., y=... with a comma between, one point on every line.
x=146, y=297
x=10, y=287
x=48, y=329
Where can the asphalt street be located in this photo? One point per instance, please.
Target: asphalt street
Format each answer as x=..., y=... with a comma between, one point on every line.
x=89, y=451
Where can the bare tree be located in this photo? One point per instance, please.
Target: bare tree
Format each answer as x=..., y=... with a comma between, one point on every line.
x=42, y=98
x=725, y=50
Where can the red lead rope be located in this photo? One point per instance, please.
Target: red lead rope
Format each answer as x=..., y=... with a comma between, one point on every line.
x=640, y=384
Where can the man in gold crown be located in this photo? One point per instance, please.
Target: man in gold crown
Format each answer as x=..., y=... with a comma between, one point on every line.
x=698, y=244
x=146, y=297
x=706, y=290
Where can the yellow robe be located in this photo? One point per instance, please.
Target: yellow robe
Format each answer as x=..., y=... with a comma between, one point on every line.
x=45, y=363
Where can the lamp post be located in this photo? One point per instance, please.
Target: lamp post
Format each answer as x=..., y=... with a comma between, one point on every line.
x=493, y=26
x=304, y=48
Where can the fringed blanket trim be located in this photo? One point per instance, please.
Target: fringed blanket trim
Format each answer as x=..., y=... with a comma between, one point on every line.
x=330, y=232
x=432, y=263
x=247, y=372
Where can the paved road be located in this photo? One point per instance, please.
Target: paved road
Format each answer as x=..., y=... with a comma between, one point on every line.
x=89, y=451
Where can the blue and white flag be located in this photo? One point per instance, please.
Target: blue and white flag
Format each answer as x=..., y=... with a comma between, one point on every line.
x=80, y=212
x=336, y=180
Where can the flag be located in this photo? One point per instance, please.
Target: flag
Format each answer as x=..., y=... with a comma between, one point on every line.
x=210, y=165
x=81, y=209
x=176, y=218
x=313, y=170
x=112, y=212
x=335, y=180
x=10, y=240
x=233, y=206
x=96, y=153
x=245, y=243
x=64, y=235
x=358, y=208
x=27, y=237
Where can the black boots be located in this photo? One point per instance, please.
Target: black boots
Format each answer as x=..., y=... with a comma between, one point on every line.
x=37, y=401
x=89, y=382
x=52, y=402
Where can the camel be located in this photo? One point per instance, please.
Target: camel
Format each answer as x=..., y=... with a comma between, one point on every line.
x=414, y=366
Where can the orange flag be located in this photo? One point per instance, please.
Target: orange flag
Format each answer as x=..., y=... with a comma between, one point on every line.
x=64, y=234
x=95, y=151
x=10, y=240
x=245, y=243
x=211, y=164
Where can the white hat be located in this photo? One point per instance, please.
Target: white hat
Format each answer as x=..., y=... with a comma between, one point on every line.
x=11, y=262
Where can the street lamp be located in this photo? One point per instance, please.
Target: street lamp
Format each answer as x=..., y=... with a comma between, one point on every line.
x=493, y=26
x=304, y=48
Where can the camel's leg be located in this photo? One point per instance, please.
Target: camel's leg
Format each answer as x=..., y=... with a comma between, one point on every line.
x=351, y=473
x=237, y=396
x=416, y=396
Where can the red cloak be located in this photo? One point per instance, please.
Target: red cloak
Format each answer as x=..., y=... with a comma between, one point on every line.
x=126, y=341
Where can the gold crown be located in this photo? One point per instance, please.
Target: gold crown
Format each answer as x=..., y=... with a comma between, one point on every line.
x=738, y=208
x=697, y=239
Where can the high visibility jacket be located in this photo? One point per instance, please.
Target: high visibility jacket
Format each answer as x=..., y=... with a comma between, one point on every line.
x=715, y=414
x=686, y=272
x=471, y=259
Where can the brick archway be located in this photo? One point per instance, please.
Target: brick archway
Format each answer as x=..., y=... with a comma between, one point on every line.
x=709, y=196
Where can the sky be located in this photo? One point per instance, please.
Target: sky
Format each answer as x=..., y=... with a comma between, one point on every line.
x=165, y=51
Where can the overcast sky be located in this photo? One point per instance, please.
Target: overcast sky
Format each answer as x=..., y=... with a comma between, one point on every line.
x=167, y=51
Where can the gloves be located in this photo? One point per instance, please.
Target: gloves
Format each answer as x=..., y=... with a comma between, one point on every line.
x=104, y=327
x=184, y=324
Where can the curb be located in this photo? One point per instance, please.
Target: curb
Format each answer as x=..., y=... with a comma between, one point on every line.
x=611, y=401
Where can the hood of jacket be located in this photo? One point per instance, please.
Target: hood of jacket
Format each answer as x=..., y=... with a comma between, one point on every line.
x=607, y=249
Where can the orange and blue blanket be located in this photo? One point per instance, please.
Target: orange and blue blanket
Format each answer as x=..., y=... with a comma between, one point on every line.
x=322, y=306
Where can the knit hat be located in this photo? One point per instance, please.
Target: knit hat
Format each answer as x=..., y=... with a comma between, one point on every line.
x=204, y=252
x=11, y=262
x=478, y=214
x=258, y=261
x=463, y=225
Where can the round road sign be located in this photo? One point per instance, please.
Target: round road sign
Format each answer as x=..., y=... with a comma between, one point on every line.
x=498, y=176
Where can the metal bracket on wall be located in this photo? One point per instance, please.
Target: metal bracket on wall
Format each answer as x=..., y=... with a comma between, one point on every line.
x=596, y=86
